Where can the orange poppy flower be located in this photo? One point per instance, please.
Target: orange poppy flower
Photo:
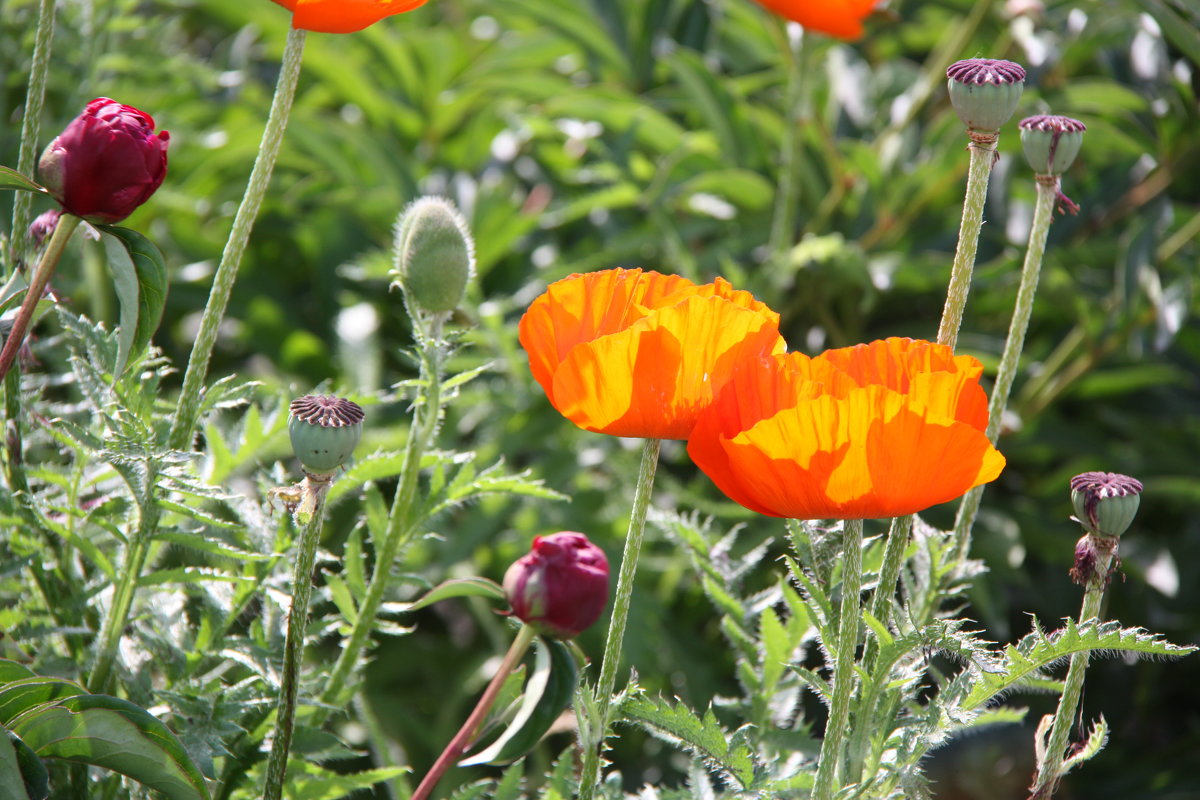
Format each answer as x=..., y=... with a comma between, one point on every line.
x=344, y=16
x=840, y=18
x=876, y=430
x=633, y=353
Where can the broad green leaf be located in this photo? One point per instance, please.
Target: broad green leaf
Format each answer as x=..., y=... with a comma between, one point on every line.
x=11, y=179
x=458, y=587
x=548, y=691
x=140, y=279
x=12, y=778
x=114, y=734
x=19, y=694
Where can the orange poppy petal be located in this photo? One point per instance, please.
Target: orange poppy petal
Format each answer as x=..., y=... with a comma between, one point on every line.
x=653, y=378
x=582, y=308
x=841, y=18
x=344, y=16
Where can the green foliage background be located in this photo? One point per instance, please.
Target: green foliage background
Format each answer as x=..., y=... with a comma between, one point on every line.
x=581, y=135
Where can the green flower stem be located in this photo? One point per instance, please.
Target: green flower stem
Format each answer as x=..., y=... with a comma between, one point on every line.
x=400, y=525
x=466, y=734
x=218, y=297
x=35, y=94
x=293, y=650
x=885, y=590
x=136, y=551
x=1051, y=768
x=589, y=779
x=1043, y=215
x=983, y=152
x=796, y=105
x=849, y=617
x=37, y=286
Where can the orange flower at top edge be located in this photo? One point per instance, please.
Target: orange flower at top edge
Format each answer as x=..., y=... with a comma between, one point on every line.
x=344, y=16
x=840, y=18
x=633, y=353
x=876, y=430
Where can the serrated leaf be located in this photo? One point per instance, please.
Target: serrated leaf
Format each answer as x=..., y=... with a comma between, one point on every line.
x=114, y=734
x=140, y=280
x=307, y=781
x=374, y=467
x=777, y=649
x=1038, y=650
x=702, y=736
x=11, y=179
x=458, y=587
x=1096, y=739
x=196, y=541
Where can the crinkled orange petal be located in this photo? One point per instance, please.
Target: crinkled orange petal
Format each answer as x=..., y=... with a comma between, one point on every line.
x=781, y=443
x=581, y=308
x=654, y=377
x=841, y=18
x=344, y=16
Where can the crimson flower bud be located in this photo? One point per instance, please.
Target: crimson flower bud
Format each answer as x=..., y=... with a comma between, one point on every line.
x=561, y=586
x=106, y=163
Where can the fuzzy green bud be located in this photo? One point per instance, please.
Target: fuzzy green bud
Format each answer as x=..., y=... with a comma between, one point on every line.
x=1105, y=502
x=324, y=430
x=435, y=256
x=1051, y=142
x=985, y=91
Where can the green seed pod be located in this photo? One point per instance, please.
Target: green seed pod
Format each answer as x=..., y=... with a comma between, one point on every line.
x=985, y=91
x=324, y=430
x=1105, y=502
x=1050, y=142
x=435, y=256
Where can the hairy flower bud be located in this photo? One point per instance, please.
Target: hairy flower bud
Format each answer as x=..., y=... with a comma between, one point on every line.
x=1051, y=142
x=106, y=163
x=561, y=586
x=1105, y=502
x=324, y=430
x=435, y=256
x=985, y=91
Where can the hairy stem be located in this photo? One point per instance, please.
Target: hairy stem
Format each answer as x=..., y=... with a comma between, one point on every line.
x=466, y=734
x=597, y=729
x=795, y=103
x=1043, y=215
x=35, y=95
x=37, y=286
x=401, y=525
x=293, y=650
x=829, y=761
x=1050, y=771
x=231, y=258
x=983, y=154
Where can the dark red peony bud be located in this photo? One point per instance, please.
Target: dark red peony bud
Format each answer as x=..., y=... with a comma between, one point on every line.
x=561, y=586
x=106, y=163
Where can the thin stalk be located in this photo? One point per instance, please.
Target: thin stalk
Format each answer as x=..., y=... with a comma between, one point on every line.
x=466, y=734
x=1043, y=215
x=589, y=778
x=400, y=525
x=983, y=154
x=293, y=650
x=1050, y=770
x=136, y=551
x=231, y=258
x=829, y=762
x=35, y=94
x=37, y=285
x=795, y=105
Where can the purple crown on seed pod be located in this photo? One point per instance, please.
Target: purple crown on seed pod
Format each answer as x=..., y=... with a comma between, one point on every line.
x=985, y=91
x=561, y=586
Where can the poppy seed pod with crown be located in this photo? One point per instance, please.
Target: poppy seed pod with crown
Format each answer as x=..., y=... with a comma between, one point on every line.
x=985, y=91
x=561, y=586
x=435, y=256
x=106, y=163
x=1051, y=142
x=1105, y=502
x=324, y=431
